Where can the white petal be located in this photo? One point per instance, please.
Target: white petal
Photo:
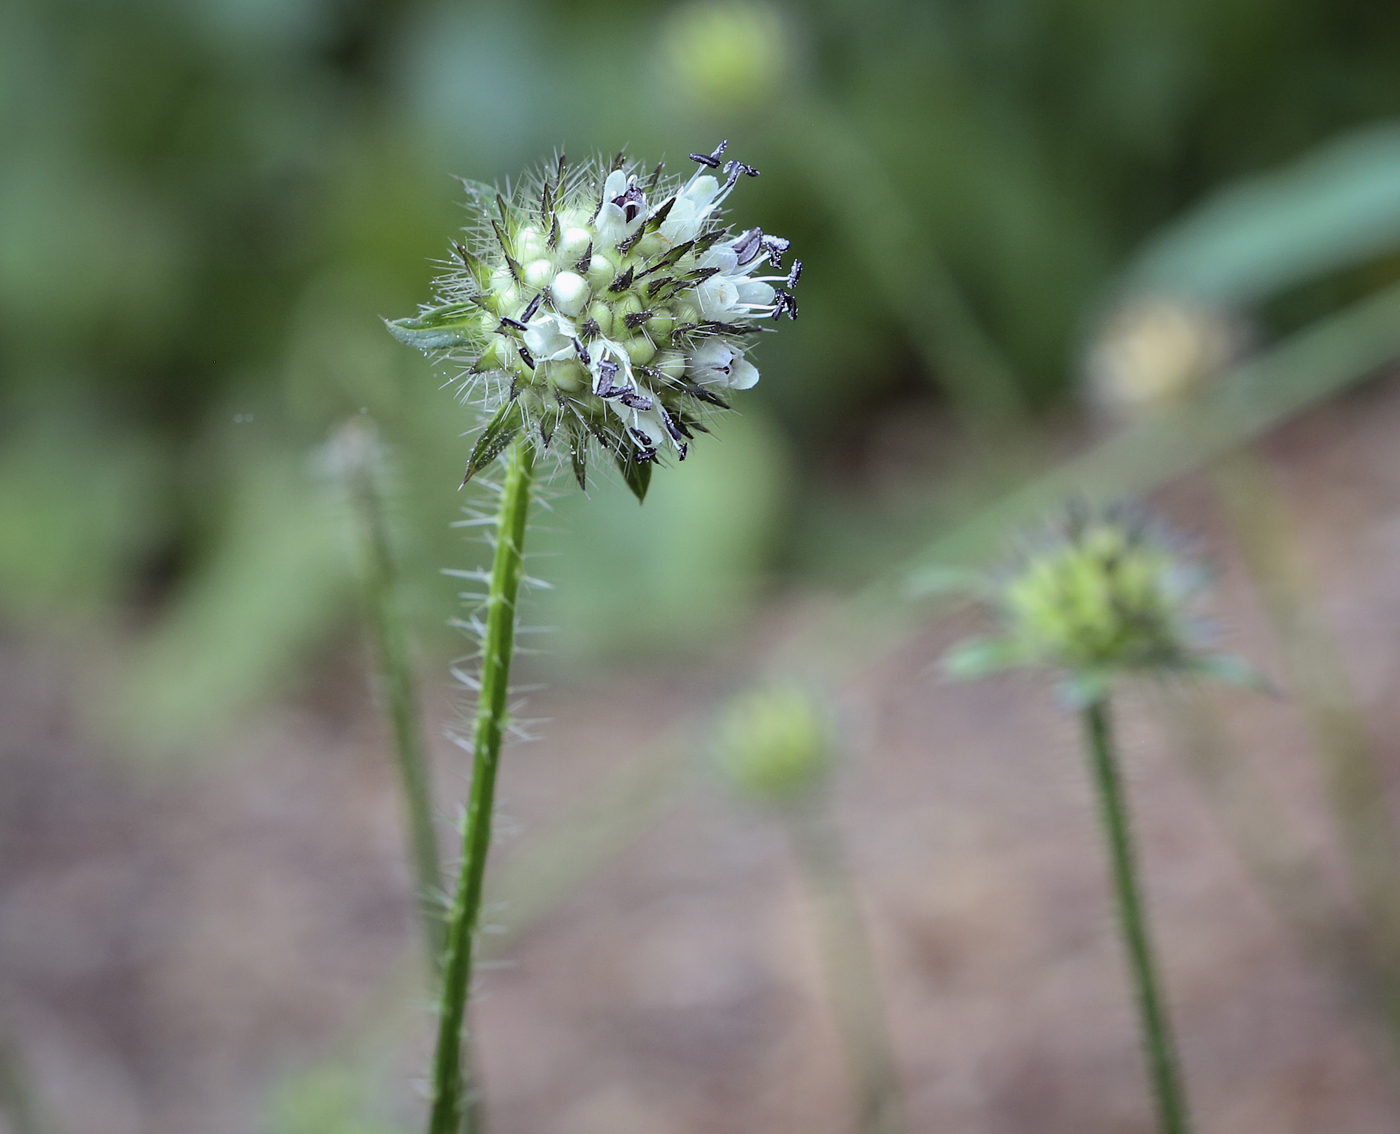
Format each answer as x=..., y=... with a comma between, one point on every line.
x=611, y=225
x=615, y=185
x=756, y=292
x=742, y=374
x=549, y=337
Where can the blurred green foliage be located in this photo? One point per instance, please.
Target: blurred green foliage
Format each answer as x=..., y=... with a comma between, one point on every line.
x=206, y=206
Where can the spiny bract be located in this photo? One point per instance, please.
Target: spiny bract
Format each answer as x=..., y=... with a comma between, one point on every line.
x=603, y=305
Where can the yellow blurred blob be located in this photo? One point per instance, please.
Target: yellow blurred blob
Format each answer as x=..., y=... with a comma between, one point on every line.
x=1155, y=350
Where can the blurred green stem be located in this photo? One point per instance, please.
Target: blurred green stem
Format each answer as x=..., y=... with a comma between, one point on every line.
x=1132, y=916
x=1317, y=675
x=497, y=650
x=850, y=972
x=400, y=696
x=399, y=689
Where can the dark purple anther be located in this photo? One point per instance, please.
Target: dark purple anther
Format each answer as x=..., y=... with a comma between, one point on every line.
x=526, y=357
x=711, y=160
x=795, y=274
x=775, y=246
x=534, y=306
x=732, y=169
x=582, y=352
x=748, y=246
x=645, y=450
x=674, y=430
x=630, y=200
x=784, y=304
x=507, y=321
x=634, y=400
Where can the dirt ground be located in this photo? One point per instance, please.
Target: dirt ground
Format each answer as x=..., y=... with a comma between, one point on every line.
x=174, y=946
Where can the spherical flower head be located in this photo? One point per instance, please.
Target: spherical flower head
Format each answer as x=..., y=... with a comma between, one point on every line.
x=605, y=307
x=1103, y=596
x=775, y=744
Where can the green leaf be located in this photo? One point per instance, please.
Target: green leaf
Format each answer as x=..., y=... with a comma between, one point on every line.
x=500, y=431
x=637, y=474
x=1088, y=687
x=436, y=329
x=980, y=657
x=1226, y=669
x=1338, y=206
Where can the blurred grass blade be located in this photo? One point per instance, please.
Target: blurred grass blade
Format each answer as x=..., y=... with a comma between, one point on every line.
x=891, y=245
x=1337, y=207
x=1248, y=401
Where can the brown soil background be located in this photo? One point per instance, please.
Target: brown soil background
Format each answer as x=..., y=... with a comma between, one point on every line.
x=173, y=945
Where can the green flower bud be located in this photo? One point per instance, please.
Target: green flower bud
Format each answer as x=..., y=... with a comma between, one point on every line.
x=1104, y=596
x=572, y=289
x=640, y=350
x=775, y=744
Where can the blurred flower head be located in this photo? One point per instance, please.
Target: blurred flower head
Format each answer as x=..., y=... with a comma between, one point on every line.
x=725, y=55
x=1102, y=595
x=1155, y=349
x=604, y=305
x=775, y=744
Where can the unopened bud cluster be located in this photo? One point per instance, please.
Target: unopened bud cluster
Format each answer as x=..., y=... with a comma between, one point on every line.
x=605, y=305
x=775, y=744
x=1104, y=594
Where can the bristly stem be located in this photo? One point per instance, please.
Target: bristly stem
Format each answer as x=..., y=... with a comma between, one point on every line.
x=401, y=699
x=497, y=649
x=1132, y=915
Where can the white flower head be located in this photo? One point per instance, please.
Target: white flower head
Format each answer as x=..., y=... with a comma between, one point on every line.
x=604, y=306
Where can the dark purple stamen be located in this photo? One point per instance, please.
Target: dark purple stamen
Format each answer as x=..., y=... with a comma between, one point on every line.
x=732, y=169
x=606, y=372
x=645, y=450
x=634, y=400
x=677, y=434
x=748, y=246
x=775, y=246
x=630, y=200
x=529, y=312
x=795, y=274
x=784, y=304
x=711, y=160
x=582, y=352
x=507, y=321
x=526, y=357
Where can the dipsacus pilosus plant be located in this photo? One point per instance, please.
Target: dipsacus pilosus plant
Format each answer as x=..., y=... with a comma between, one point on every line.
x=594, y=310
x=603, y=307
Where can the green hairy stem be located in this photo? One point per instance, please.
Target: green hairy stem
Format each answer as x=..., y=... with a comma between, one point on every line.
x=497, y=649
x=1132, y=916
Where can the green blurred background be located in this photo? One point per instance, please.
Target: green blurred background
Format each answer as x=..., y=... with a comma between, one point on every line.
x=206, y=207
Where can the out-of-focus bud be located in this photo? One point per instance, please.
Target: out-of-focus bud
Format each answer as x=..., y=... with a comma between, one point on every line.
x=1154, y=350
x=725, y=55
x=1102, y=595
x=775, y=744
